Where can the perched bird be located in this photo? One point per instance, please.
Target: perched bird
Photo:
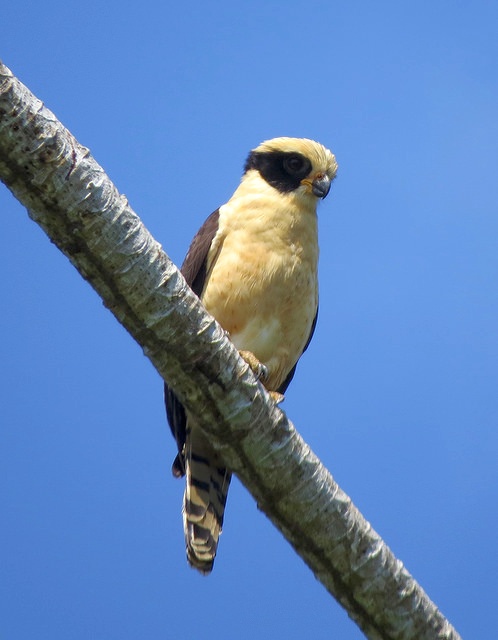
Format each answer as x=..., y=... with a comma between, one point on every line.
x=253, y=264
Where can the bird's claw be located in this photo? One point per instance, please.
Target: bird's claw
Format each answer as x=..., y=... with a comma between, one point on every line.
x=276, y=396
x=259, y=369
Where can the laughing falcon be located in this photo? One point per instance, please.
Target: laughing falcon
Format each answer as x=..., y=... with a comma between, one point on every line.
x=253, y=264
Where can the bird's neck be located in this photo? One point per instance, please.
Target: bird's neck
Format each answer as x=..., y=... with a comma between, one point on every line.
x=257, y=204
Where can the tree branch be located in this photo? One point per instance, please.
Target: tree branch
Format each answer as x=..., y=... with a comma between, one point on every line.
x=68, y=194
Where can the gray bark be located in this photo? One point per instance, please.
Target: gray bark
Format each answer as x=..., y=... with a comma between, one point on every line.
x=68, y=194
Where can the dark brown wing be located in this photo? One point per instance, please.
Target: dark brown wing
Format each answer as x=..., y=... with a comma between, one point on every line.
x=288, y=380
x=194, y=271
x=195, y=263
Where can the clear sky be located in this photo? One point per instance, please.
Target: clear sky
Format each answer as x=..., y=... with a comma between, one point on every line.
x=398, y=394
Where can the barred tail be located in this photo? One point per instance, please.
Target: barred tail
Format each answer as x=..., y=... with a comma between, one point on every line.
x=203, y=504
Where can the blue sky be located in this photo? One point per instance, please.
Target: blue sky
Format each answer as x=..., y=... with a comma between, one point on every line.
x=398, y=392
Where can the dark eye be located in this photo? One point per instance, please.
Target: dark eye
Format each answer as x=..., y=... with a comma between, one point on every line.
x=296, y=165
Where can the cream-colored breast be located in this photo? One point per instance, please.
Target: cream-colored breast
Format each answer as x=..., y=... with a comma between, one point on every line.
x=261, y=283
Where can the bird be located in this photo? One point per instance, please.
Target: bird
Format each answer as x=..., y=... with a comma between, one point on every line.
x=253, y=264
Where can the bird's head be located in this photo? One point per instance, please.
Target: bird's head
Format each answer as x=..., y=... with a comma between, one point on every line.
x=294, y=165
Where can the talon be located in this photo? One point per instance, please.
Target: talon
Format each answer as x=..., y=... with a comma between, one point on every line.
x=259, y=369
x=262, y=372
x=276, y=396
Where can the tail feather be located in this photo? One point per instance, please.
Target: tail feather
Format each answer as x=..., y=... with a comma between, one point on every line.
x=203, y=504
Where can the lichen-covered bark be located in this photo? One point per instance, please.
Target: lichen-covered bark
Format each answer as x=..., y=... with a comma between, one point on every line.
x=68, y=194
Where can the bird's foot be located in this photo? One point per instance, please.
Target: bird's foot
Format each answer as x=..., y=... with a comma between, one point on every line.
x=261, y=373
x=259, y=369
x=276, y=396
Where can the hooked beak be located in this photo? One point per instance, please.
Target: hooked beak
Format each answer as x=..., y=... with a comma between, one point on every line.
x=320, y=186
